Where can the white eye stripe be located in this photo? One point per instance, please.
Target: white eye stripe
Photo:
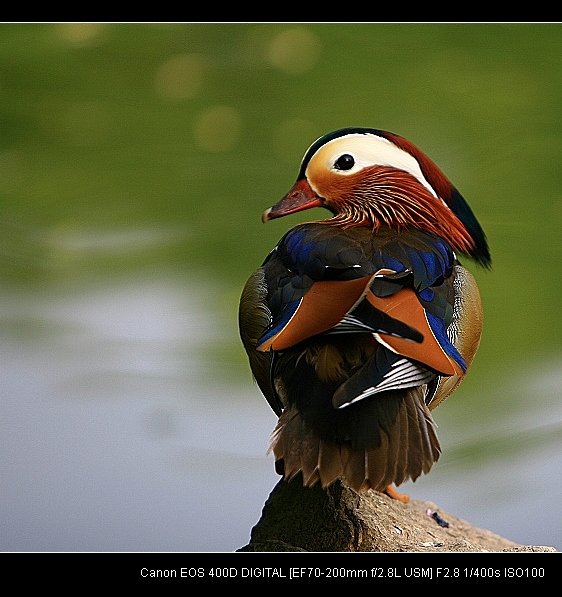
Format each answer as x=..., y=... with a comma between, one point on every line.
x=368, y=150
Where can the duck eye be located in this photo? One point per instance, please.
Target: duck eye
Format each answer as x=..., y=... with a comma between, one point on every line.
x=344, y=162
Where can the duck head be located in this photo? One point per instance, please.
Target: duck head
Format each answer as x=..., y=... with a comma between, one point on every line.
x=369, y=177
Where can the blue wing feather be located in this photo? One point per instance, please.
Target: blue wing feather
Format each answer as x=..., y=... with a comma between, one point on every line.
x=313, y=252
x=437, y=326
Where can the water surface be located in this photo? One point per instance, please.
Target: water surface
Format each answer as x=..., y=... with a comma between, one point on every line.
x=116, y=435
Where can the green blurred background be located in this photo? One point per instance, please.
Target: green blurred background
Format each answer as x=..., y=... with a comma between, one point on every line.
x=133, y=151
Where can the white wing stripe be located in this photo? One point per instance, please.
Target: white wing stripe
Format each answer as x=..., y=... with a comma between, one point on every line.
x=404, y=374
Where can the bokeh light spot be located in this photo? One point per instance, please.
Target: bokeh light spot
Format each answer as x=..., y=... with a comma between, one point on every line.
x=81, y=34
x=180, y=77
x=295, y=50
x=218, y=128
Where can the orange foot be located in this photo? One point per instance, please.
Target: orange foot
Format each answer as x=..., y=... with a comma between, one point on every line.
x=392, y=493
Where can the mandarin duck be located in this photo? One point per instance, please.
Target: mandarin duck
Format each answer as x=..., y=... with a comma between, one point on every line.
x=358, y=326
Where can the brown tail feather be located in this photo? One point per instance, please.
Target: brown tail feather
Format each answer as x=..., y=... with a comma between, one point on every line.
x=408, y=449
x=329, y=463
x=353, y=467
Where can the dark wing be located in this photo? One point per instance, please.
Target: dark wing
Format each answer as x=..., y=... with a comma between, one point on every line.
x=317, y=279
x=321, y=280
x=254, y=316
